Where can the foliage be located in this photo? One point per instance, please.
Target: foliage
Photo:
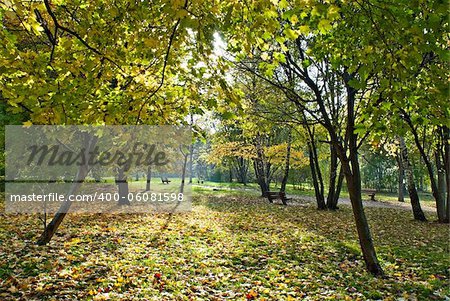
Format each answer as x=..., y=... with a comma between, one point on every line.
x=104, y=62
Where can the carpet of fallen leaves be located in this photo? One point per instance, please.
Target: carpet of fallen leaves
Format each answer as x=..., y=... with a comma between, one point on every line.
x=227, y=248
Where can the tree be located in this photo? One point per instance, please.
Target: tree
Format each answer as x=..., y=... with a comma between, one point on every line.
x=76, y=68
x=305, y=41
x=414, y=197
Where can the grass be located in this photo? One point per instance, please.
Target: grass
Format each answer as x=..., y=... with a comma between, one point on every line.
x=232, y=246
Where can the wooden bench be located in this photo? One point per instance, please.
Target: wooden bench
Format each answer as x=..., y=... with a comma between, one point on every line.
x=274, y=195
x=371, y=193
x=165, y=180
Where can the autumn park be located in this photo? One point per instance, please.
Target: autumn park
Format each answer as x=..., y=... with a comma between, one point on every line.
x=224, y=150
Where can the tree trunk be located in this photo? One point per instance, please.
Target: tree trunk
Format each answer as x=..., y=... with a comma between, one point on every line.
x=333, y=204
x=334, y=188
x=401, y=175
x=287, y=162
x=191, y=153
x=441, y=188
x=365, y=239
x=260, y=178
x=241, y=169
x=350, y=167
x=262, y=168
x=122, y=183
x=414, y=197
x=446, y=139
x=148, y=178
x=318, y=193
x=315, y=169
x=83, y=170
x=434, y=186
x=183, y=172
x=191, y=170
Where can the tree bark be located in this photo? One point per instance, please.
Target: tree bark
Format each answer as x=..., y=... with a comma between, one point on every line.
x=317, y=191
x=183, y=172
x=83, y=170
x=260, y=178
x=148, y=178
x=446, y=139
x=414, y=197
x=315, y=169
x=365, y=239
x=401, y=176
x=334, y=188
x=191, y=163
x=241, y=169
x=441, y=187
x=191, y=154
x=262, y=168
x=122, y=183
x=434, y=186
x=286, y=165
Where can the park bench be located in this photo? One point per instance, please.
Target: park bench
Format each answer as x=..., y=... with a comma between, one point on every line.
x=274, y=195
x=165, y=180
x=371, y=193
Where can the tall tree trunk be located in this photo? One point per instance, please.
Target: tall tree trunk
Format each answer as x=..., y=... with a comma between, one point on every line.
x=191, y=163
x=241, y=169
x=434, y=186
x=183, y=172
x=191, y=154
x=441, y=187
x=414, y=197
x=315, y=169
x=333, y=189
x=122, y=183
x=148, y=178
x=337, y=193
x=352, y=172
x=260, y=177
x=88, y=145
x=318, y=192
x=191, y=170
x=401, y=175
x=365, y=239
x=262, y=168
x=446, y=139
x=287, y=163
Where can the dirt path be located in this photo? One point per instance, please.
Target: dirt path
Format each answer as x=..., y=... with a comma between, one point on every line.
x=377, y=204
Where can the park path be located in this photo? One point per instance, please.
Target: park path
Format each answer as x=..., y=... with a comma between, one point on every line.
x=304, y=199
x=376, y=204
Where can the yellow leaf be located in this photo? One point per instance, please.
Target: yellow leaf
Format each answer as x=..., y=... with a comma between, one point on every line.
x=294, y=19
x=291, y=34
x=324, y=25
x=304, y=29
x=333, y=12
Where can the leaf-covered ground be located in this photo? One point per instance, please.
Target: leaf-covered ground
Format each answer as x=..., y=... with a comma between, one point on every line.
x=228, y=248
